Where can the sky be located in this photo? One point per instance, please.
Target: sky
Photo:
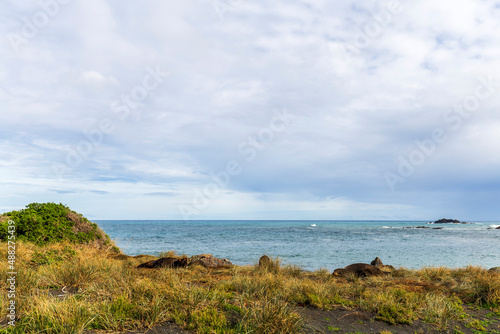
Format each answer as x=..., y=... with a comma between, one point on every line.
x=252, y=109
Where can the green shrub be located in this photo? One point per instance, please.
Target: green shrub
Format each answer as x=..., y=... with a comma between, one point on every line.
x=44, y=223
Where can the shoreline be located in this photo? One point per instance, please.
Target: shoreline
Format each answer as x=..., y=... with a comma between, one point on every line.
x=253, y=263
x=329, y=246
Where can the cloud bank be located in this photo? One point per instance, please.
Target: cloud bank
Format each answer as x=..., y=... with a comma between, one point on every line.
x=245, y=109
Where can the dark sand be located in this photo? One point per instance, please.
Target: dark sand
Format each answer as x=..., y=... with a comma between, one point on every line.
x=344, y=321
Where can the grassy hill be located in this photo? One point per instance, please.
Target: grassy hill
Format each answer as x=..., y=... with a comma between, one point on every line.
x=46, y=223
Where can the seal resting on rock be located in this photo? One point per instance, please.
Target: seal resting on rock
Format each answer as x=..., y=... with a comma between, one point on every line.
x=165, y=262
x=359, y=269
x=208, y=260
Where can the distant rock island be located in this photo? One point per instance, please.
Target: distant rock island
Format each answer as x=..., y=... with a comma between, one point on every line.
x=447, y=221
x=433, y=228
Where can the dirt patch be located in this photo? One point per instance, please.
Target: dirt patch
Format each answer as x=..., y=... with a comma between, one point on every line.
x=345, y=321
x=81, y=225
x=354, y=321
x=164, y=328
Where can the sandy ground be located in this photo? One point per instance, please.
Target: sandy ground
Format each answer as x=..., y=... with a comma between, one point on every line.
x=352, y=321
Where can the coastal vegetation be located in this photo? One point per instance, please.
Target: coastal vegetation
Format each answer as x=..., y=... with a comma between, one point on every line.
x=63, y=286
x=44, y=223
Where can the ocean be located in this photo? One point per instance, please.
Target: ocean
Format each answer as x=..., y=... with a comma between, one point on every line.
x=314, y=244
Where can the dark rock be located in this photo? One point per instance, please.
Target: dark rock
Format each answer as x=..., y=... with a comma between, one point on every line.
x=448, y=221
x=165, y=262
x=498, y=228
x=434, y=228
x=494, y=270
x=264, y=261
x=378, y=263
x=359, y=269
x=207, y=260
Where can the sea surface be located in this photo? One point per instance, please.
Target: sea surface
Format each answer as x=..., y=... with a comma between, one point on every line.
x=314, y=244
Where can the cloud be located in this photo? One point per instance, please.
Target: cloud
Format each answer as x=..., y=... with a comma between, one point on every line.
x=162, y=194
x=63, y=191
x=361, y=99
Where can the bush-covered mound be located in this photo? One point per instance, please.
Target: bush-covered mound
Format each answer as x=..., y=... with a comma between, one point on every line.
x=44, y=223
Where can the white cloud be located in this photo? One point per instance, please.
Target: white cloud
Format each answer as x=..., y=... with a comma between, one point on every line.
x=355, y=115
x=97, y=78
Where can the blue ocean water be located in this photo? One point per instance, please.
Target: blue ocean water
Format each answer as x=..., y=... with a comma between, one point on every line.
x=314, y=244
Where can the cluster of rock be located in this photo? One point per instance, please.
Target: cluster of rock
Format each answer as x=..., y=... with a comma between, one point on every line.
x=375, y=268
x=450, y=221
x=433, y=228
x=205, y=260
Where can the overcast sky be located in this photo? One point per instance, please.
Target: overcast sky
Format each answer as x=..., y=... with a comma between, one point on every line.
x=244, y=109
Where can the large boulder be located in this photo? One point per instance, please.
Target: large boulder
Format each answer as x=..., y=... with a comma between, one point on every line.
x=205, y=260
x=165, y=262
x=494, y=270
x=208, y=260
x=359, y=269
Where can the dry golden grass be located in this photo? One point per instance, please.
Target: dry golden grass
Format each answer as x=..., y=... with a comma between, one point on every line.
x=107, y=292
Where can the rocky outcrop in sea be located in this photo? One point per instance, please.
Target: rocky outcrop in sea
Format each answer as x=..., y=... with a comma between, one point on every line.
x=448, y=221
